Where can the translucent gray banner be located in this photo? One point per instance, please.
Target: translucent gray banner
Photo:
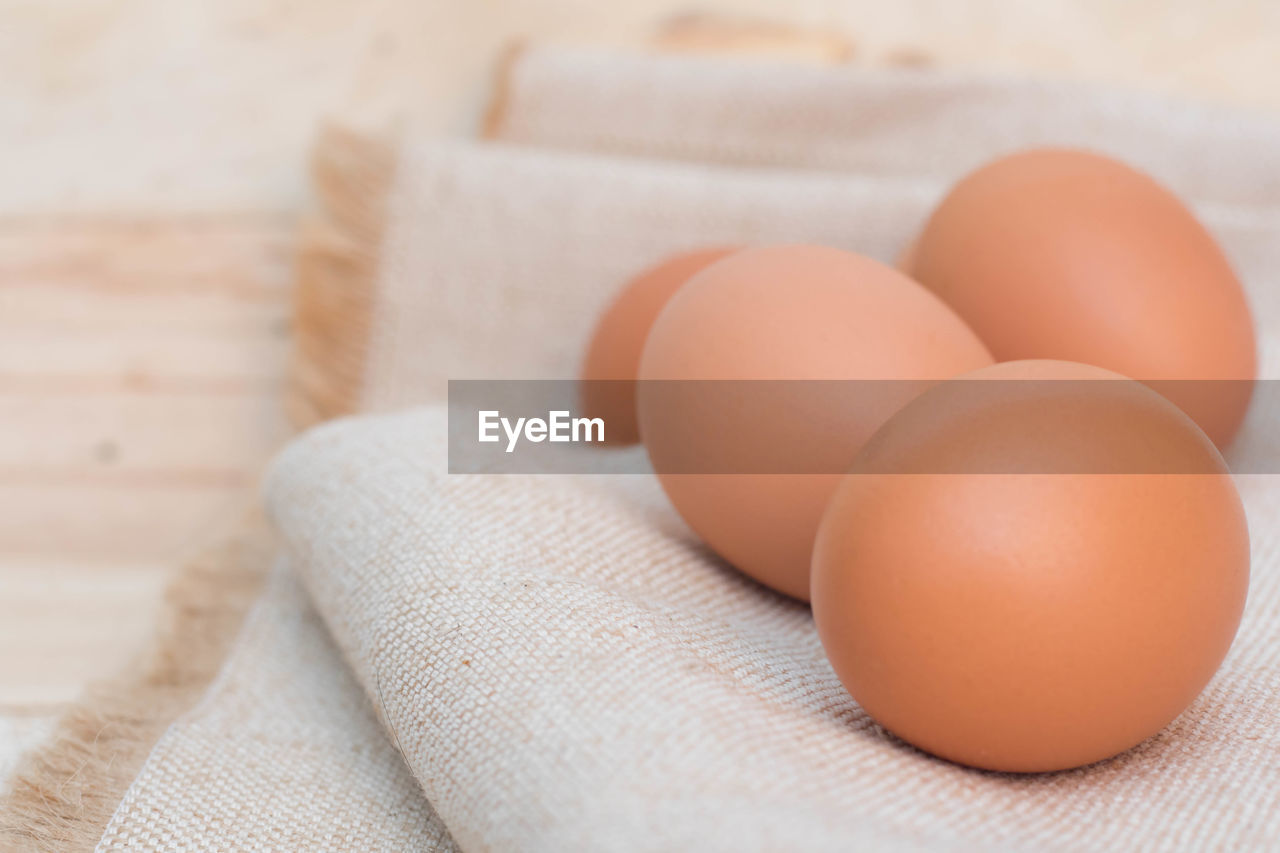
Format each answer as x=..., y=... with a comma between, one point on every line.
x=1005, y=426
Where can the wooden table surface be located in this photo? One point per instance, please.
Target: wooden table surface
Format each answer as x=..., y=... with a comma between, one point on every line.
x=152, y=173
x=140, y=368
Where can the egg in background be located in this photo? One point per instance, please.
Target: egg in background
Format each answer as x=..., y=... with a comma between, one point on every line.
x=1065, y=254
x=612, y=360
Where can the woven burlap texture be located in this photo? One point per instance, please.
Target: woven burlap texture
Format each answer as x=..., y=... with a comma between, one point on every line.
x=561, y=665
x=318, y=777
x=63, y=793
x=566, y=668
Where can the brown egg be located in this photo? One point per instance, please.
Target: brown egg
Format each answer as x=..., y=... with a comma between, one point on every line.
x=783, y=313
x=1069, y=255
x=1031, y=574
x=613, y=355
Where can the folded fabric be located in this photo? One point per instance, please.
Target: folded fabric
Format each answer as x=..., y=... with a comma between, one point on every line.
x=499, y=259
x=503, y=256
x=559, y=662
x=916, y=124
x=567, y=668
x=283, y=753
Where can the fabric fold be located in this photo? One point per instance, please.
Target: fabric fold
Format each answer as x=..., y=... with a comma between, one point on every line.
x=936, y=123
x=283, y=753
x=566, y=667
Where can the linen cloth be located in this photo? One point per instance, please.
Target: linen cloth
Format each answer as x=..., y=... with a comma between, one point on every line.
x=567, y=668
x=561, y=664
x=915, y=124
x=283, y=753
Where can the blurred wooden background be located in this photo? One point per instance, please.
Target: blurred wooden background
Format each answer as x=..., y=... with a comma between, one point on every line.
x=152, y=169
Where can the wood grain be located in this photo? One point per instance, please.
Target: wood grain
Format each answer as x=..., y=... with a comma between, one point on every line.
x=141, y=363
x=49, y=610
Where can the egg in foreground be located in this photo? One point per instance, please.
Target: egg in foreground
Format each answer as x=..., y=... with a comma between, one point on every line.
x=1032, y=574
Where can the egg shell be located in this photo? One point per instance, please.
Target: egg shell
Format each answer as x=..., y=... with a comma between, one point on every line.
x=1064, y=254
x=613, y=354
x=787, y=313
x=1031, y=621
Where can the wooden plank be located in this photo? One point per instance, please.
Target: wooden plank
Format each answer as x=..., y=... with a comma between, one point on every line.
x=245, y=256
x=140, y=366
x=63, y=624
x=114, y=435
x=147, y=518
x=139, y=361
x=48, y=307
x=146, y=303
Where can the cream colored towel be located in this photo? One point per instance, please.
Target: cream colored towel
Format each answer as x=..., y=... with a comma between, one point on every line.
x=567, y=668
x=562, y=666
x=282, y=754
x=498, y=259
x=918, y=125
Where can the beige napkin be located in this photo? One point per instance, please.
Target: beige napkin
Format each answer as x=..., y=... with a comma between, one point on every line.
x=915, y=124
x=561, y=665
x=281, y=754
x=566, y=668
